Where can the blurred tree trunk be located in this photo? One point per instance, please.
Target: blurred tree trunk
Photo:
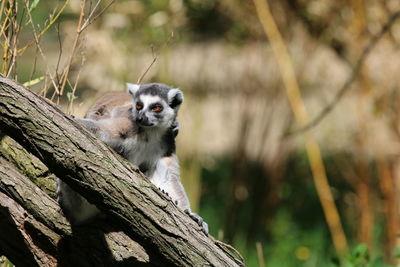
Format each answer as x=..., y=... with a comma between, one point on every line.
x=364, y=204
x=36, y=233
x=387, y=180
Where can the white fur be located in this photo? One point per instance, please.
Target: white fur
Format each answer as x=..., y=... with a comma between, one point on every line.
x=149, y=99
x=167, y=177
x=145, y=148
x=132, y=88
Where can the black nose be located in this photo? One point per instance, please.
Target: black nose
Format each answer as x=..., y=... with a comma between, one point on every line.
x=139, y=119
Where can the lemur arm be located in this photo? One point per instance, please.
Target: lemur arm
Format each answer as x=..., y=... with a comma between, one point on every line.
x=167, y=178
x=90, y=124
x=110, y=129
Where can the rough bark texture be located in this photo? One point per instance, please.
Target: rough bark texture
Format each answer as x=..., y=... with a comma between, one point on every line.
x=27, y=213
x=28, y=165
x=167, y=236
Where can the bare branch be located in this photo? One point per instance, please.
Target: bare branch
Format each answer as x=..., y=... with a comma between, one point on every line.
x=149, y=67
x=60, y=51
x=74, y=46
x=155, y=56
x=346, y=87
x=91, y=19
x=52, y=21
x=40, y=48
x=71, y=101
x=16, y=31
x=4, y=32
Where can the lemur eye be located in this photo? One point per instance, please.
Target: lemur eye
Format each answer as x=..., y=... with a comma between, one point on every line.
x=139, y=106
x=157, y=108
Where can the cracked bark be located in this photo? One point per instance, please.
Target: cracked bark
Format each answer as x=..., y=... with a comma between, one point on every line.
x=31, y=221
x=164, y=235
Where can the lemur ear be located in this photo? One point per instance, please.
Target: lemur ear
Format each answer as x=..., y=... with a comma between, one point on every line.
x=132, y=88
x=175, y=97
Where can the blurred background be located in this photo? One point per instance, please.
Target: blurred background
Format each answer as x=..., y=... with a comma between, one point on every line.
x=245, y=175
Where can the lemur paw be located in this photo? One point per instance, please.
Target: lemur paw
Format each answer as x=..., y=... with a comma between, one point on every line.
x=198, y=220
x=165, y=192
x=175, y=128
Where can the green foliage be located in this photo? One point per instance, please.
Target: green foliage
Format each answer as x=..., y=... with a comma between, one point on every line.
x=71, y=96
x=293, y=246
x=4, y=262
x=294, y=235
x=360, y=256
x=396, y=253
x=294, y=232
x=33, y=5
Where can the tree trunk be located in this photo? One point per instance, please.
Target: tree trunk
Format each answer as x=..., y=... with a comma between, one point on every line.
x=163, y=234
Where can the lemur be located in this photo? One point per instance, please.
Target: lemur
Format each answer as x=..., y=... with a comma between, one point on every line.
x=144, y=133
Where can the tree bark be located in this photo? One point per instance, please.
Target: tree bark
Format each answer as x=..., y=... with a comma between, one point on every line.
x=132, y=203
x=28, y=165
x=36, y=234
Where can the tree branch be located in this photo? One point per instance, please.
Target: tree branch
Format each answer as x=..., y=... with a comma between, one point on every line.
x=32, y=223
x=106, y=180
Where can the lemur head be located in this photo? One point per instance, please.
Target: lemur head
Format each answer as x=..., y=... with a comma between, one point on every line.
x=155, y=104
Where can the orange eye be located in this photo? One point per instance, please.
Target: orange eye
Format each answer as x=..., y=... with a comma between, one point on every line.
x=139, y=107
x=156, y=108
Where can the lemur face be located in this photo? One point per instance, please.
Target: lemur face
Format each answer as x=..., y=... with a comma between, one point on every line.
x=155, y=105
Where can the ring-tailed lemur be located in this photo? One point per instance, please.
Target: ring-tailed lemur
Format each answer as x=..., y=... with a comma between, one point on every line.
x=144, y=134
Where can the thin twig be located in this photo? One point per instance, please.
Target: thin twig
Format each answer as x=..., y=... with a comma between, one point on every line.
x=1, y=9
x=17, y=35
x=34, y=65
x=82, y=25
x=345, y=88
x=229, y=248
x=60, y=51
x=12, y=38
x=155, y=56
x=40, y=48
x=149, y=67
x=91, y=11
x=21, y=50
x=71, y=103
x=16, y=32
x=45, y=87
x=260, y=254
x=74, y=46
x=4, y=32
x=91, y=19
